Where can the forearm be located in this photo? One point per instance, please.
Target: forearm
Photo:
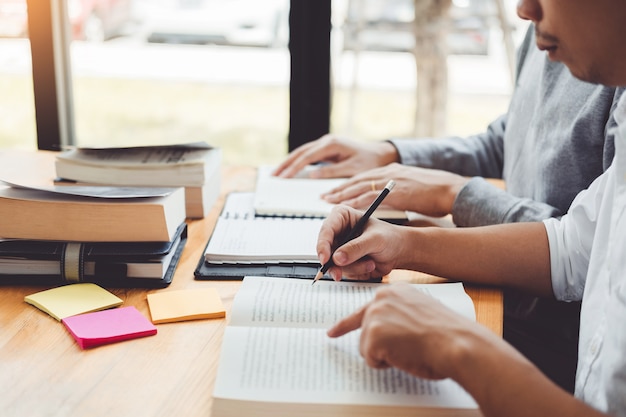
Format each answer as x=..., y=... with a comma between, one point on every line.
x=478, y=155
x=512, y=255
x=504, y=383
x=480, y=203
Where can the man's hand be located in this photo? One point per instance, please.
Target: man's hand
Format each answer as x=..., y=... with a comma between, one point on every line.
x=406, y=329
x=371, y=255
x=427, y=191
x=344, y=157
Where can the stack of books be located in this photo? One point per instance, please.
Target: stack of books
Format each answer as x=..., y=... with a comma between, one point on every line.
x=112, y=236
x=194, y=166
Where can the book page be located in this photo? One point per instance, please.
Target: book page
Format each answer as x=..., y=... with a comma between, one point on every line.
x=286, y=302
x=147, y=156
x=97, y=191
x=264, y=239
x=287, y=365
x=238, y=204
x=275, y=196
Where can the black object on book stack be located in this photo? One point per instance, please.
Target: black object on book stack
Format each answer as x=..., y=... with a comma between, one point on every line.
x=109, y=264
x=194, y=166
x=116, y=237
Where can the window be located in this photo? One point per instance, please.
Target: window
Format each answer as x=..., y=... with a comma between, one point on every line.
x=236, y=74
x=186, y=71
x=374, y=69
x=17, y=123
x=164, y=71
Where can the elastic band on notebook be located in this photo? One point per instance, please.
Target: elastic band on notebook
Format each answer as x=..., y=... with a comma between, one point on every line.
x=72, y=262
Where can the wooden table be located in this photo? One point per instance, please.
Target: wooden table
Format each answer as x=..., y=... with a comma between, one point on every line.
x=43, y=372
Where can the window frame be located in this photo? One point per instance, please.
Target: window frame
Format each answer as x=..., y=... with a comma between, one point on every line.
x=309, y=47
x=52, y=79
x=309, y=87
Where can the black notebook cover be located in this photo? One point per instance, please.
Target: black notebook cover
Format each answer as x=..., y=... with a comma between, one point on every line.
x=110, y=260
x=207, y=271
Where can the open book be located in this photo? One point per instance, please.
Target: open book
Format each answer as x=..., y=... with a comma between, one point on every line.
x=275, y=196
x=276, y=359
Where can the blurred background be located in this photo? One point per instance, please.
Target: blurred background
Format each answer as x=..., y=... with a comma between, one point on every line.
x=171, y=71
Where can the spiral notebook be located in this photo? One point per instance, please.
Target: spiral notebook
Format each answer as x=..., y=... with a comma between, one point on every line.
x=241, y=237
x=245, y=244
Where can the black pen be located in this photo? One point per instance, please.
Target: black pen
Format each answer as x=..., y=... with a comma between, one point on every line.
x=357, y=229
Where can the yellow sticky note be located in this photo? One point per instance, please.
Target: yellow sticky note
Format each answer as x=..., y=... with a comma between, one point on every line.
x=192, y=304
x=70, y=300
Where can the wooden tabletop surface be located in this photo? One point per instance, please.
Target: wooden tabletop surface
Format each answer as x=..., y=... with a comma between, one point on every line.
x=43, y=372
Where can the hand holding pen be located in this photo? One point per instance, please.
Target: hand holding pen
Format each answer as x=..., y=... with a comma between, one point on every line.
x=356, y=230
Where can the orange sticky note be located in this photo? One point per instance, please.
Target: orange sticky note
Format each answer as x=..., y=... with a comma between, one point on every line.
x=108, y=326
x=181, y=305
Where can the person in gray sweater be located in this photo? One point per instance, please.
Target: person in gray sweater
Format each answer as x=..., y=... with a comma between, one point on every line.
x=554, y=140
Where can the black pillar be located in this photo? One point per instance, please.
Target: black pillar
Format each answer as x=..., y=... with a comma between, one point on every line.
x=309, y=45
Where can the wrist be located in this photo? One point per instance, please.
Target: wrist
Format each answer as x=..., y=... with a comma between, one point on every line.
x=388, y=153
x=517, y=389
x=474, y=359
x=450, y=193
x=413, y=254
x=469, y=354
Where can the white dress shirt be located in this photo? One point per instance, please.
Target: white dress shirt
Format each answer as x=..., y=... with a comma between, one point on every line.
x=588, y=262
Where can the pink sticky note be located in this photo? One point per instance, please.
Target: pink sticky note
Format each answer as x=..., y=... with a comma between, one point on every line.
x=108, y=326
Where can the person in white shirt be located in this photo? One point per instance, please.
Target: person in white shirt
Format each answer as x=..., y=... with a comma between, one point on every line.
x=581, y=256
x=547, y=147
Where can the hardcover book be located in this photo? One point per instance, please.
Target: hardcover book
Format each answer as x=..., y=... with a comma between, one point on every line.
x=194, y=166
x=109, y=264
x=66, y=215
